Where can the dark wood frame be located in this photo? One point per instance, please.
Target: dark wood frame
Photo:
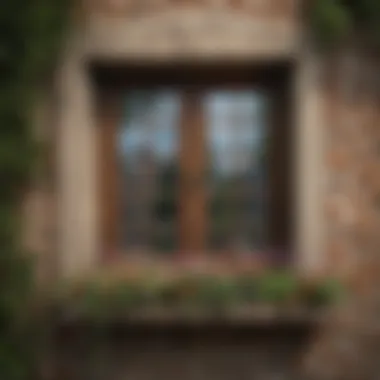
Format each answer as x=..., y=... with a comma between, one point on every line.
x=113, y=81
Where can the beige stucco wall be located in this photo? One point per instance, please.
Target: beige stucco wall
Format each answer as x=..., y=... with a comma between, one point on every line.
x=172, y=35
x=309, y=164
x=76, y=165
x=190, y=35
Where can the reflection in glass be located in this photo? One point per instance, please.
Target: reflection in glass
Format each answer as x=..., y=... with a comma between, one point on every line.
x=147, y=154
x=236, y=129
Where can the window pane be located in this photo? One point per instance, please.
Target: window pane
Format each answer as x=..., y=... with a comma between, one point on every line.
x=147, y=154
x=237, y=136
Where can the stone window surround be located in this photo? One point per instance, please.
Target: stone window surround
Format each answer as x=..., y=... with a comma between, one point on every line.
x=77, y=199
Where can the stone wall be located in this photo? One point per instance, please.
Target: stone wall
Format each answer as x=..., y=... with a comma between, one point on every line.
x=347, y=346
x=351, y=151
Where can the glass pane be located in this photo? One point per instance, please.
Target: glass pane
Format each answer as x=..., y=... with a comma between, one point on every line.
x=147, y=154
x=237, y=144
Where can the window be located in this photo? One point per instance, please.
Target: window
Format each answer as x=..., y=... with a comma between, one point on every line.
x=147, y=153
x=194, y=165
x=237, y=123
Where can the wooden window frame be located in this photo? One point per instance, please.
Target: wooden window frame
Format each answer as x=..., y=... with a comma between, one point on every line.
x=112, y=82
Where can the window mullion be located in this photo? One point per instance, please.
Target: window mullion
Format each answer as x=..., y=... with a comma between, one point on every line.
x=192, y=182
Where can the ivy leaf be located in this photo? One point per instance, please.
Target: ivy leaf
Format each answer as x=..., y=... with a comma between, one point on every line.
x=331, y=21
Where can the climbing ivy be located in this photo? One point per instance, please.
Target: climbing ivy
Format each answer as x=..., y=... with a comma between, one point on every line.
x=30, y=36
x=333, y=21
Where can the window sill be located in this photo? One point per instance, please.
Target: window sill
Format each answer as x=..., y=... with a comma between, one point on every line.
x=200, y=292
x=120, y=264
x=255, y=315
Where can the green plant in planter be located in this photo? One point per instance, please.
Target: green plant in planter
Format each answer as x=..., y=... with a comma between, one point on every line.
x=99, y=302
x=89, y=302
x=127, y=296
x=176, y=293
x=248, y=289
x=217, y=293
x=154, y=291
x=323, y=294
x=278, y=288
x=200, y=293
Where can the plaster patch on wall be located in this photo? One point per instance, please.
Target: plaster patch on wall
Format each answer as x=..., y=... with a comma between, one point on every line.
x=191, y=34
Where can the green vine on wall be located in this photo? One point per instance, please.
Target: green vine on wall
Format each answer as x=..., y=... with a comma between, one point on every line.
x=30, y=36
x=334, y=21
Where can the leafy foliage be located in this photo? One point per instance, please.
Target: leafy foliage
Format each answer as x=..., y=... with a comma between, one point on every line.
x=277, y=287
x=330, y=21
x=205, y=293
x=30, y=34
x=327, y=292
x=335, y=20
